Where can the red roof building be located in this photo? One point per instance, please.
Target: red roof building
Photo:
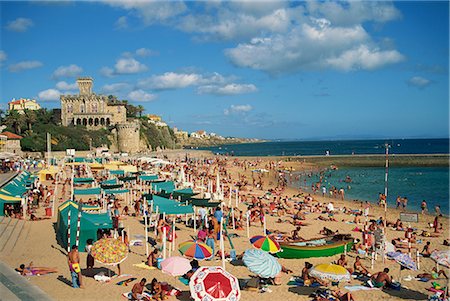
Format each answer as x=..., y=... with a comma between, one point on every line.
x=11, y=136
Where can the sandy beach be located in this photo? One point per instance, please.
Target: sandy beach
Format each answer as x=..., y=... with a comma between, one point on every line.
x=37, y=242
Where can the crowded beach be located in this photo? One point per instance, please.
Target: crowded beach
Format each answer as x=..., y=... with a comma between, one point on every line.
x=186, y=225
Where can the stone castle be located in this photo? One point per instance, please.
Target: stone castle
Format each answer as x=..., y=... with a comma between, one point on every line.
x=96, y=111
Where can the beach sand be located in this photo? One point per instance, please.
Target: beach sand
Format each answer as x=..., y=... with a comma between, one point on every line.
x=38, y=244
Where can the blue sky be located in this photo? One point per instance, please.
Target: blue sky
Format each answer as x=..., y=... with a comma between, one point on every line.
x=274, y=70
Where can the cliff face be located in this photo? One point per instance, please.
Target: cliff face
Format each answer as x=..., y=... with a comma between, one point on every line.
x=153, y=137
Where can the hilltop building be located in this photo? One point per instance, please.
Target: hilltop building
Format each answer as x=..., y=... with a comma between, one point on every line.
x=97, y=111
x=22, y=104
x=156, y=120
x=90, y=109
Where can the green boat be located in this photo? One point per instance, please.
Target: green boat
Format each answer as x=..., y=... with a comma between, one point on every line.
x=318, y=247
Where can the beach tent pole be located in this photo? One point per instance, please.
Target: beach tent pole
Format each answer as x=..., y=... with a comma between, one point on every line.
x=121, y=234
x=68, y=229
x=164, y=242
x=78, y=224
x=232, y=218
x=264, y=224
x=71, y=184
x=372, y=260
x=417, y=259
x=247, y=221
x=54, y=194
x=156, y=220
x=195, y=219
x=229, y=200
x=151, y=212
x=146, y=227
x=345, y=249
x=237, y=197
x=222, y=245
x=173, y=233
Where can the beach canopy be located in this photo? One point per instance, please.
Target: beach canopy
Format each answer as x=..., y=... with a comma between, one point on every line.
x=48, y=173
x=17, y=186
x=7, y=199
x=168, y=206
x=89, y=224
x=111, y=186
x=88, y=191
x=261, y=263
x=214, y=283
x=128, y=168
x=203, y=203
x=109, y=182
x=82, y=180
x=168, y=186
x=330, y=271
x=116, y=191
x=148, y=177
x=175, y=266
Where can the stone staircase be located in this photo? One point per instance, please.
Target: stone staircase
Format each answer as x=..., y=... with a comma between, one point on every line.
x=11, y=230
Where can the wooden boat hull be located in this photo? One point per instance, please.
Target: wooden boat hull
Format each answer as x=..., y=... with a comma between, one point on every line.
x=292, y=251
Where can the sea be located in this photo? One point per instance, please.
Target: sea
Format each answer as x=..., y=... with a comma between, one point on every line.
x=415, y=183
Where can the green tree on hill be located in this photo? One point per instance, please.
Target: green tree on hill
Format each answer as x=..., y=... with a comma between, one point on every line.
x=15, y=121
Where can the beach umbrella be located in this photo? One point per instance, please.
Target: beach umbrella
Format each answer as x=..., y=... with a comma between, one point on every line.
x=109, y=251
x=214, y=284
x=261, y=263
x=403, y=259
x=441, y=257
x=175, y=266
x=265, y=243
x=195, y=249
x=330, y=271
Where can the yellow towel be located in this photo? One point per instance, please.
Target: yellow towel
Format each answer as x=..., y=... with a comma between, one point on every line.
x=142, y=265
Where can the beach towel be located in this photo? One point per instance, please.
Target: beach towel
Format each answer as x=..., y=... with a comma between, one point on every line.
x=184, y=280
x=146, y=295
x=126, y=281
x=136, y=242
x=142, y=265
x=354, y=288
x=300, y=282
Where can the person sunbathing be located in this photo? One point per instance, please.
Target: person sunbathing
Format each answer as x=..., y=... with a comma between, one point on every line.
x=426, y=252
x=433, y=275
x=342, y=296
x=157, y=291
x=307, y=279
x=33, y=271
x=359, y=267
x=152, y=258
x=343, y=263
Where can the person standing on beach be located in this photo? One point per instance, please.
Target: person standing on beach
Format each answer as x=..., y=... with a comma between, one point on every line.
x=74, y=266
x=423, y=206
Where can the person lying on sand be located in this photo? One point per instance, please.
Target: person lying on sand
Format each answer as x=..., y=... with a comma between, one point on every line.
x=327, y=232
x=434, y=274
x=342, y=296
x=33, y=271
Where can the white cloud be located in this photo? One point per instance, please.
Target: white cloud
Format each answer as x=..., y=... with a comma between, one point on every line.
x=116, y=87
x=67, y=71
x=129, y=66
x=229, y=89
x=151, y=11
x=238, y=109
x=143, y=52
x=419, y=82
x=3, y=57
x=170, y=80
x=24, y=65
x=20, y=24
x=124, y=65
x=62, y=85
x=122, y=23
x=106, y=71
x=49, y=95
x=314, y=45
x=141, y=96
x=364, y=58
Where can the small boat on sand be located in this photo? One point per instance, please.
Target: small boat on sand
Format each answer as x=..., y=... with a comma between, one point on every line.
x=318, y=247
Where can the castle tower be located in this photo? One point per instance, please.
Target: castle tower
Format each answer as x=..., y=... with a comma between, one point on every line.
x=85, y=85
x=128, y=137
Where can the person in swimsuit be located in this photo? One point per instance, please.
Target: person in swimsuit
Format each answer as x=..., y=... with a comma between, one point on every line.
x=138, y=288
x=359, y=267
x=32, y=271
x=343, y=263
x=426, y=252
x=381, y=279
x=343, y=296
x=434, y=274
x=74, y=266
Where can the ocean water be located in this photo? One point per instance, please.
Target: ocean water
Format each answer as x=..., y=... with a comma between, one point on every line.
x=347, y=147
x=415, y=183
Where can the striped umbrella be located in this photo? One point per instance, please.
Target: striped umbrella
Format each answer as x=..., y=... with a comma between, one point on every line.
x=330, y=271
x=265, y=243
x=261, y=263
x=175, y=266
x=403, y=259
x=195, y=249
